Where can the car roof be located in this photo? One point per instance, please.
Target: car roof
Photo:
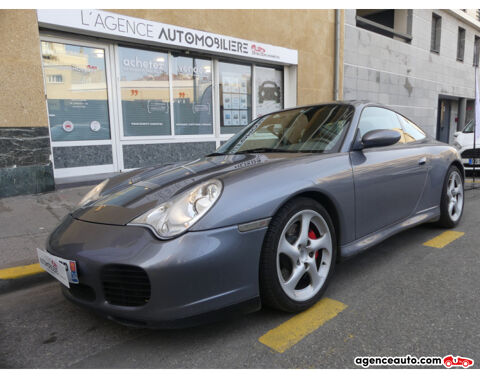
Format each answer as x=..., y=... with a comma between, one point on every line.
x=354, y=103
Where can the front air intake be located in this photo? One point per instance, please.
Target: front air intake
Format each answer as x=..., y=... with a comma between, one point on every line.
x=471, y=154
x=125, y=285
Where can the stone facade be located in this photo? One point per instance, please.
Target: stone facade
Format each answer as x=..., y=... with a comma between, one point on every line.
x=142, y=155
x=25, y=165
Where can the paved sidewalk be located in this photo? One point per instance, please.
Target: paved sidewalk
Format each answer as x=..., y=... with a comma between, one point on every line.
x=26, y=221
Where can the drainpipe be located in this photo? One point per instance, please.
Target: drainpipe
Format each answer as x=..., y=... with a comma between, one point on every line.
x=336, y=77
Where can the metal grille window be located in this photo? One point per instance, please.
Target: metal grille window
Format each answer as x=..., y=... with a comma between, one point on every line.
x=54, y=79
x=436, y=33
x=461, y=44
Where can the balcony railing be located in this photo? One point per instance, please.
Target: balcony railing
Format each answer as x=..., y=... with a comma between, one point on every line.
x=375, y=25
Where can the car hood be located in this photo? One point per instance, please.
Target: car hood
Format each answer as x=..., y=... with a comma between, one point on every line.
x=130, y=195
x=465, y=140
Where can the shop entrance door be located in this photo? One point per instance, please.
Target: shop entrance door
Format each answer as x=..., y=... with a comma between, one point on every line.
x=78, y=91
x=443, y=121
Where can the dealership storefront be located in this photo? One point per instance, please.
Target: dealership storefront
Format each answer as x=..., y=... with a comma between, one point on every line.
x=90, y=93
x=124, y=92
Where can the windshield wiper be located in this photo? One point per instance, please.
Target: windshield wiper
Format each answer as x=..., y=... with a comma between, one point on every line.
x=261, y=149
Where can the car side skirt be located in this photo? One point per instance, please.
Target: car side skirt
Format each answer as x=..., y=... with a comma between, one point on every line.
x=351, y=249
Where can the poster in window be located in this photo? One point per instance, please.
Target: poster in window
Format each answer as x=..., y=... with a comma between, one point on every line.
x=243, y=86
x=235, y=118
x=145, y=93
x=226, y=84
x=192, y=95
x=243, y=117
x=269, y=85
x=227, y=117
x=234, y=85
x=235, y=96
x=227, y=101
x=235, y=101
x=243, y=101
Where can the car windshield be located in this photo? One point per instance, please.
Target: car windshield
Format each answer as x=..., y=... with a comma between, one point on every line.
x=309, y=129
x=469, y=127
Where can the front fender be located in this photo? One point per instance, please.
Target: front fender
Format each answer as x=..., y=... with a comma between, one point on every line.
x=259, y=193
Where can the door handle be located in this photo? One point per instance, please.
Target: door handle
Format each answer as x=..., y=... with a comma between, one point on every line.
x=422, y=161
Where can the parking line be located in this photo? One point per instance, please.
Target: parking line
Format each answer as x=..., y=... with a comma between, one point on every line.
x=295, y=329
x=20, y=271
x=444, y=239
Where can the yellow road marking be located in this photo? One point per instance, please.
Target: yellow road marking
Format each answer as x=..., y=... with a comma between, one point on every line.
x=443, y=239
x=295, y=329
x=20, y=271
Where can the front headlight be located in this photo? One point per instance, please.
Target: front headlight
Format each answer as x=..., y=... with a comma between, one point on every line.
x=457, y=145
x=177, y=215
x=93, y=194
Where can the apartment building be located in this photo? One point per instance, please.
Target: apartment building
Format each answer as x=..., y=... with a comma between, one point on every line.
x=420, y=62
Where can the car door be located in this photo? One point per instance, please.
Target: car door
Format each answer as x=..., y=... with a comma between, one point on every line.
x=389, y=181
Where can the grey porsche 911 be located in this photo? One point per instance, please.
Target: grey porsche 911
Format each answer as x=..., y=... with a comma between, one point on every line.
x=260, y=221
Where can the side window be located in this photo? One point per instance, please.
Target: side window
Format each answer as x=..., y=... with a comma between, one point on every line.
x=411, y=131
x=374, y=118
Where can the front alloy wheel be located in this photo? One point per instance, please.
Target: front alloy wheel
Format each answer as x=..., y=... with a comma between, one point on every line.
x=304, y=255
x=451, y=206
x=455, y=196
x=298, y=256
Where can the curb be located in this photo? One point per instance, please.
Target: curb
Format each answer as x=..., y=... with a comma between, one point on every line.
x=21, y=277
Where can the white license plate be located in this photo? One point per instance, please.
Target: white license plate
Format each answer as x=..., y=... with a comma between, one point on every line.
x=63, y=270
x=474, y=161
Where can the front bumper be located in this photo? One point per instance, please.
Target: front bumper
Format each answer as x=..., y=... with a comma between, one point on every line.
x=194, y=274
x=467, y=165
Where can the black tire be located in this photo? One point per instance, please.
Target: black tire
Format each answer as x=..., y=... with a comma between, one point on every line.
x=446, y=220
x=271, y=292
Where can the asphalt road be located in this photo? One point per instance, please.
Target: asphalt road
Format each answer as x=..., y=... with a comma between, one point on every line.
x=402, y=298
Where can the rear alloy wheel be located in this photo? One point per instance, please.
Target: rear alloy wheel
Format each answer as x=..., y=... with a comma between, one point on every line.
x=298, y=256
x=452, y=199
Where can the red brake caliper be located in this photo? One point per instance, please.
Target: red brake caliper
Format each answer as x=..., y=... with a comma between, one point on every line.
x=311, y=235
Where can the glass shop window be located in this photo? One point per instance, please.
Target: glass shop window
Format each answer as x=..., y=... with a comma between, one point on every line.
x=192, y=95
x=269, y=87
x=235, y=97
x=145, y=92
x=77, y=95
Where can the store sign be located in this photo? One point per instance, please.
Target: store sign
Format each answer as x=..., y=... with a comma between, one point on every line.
x=101, y=23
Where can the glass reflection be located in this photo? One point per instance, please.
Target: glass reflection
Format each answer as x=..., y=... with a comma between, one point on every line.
x=145, y=92
x=76, y=86
x=192, y=95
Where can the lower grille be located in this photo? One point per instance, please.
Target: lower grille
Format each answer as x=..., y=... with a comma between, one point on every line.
x=83, y=292
x=471, y=154
x=125, y=285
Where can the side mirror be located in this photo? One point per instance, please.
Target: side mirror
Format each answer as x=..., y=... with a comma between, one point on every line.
x=380, y=138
